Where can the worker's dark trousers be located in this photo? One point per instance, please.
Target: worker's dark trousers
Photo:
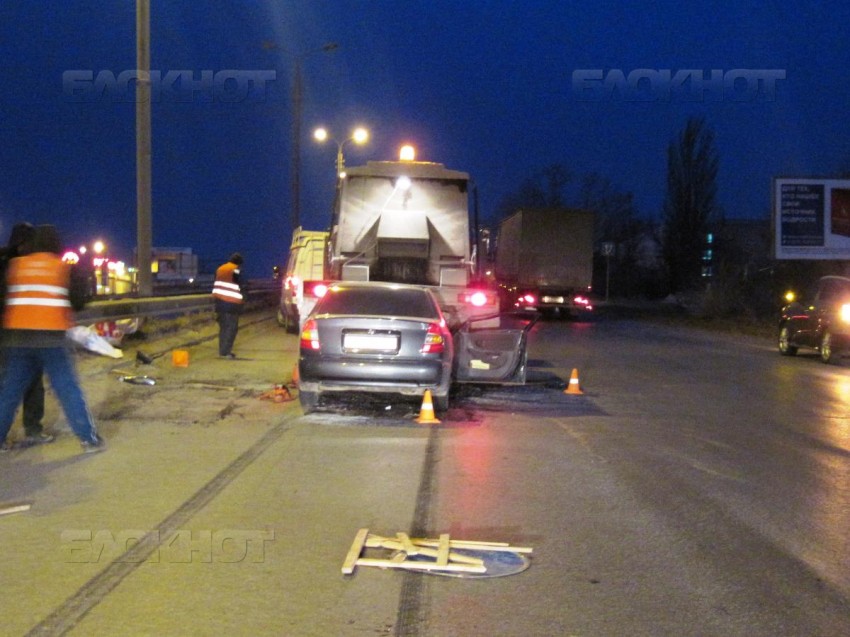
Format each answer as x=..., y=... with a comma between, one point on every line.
x=34, y=407
x=228, y=325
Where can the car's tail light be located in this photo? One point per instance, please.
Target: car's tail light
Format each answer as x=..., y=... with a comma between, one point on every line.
x=526, y=300
x=310, y=336
x=435, y=342
x=315, y=288
x=292, y=282
x=477, y=298
x=581, y=300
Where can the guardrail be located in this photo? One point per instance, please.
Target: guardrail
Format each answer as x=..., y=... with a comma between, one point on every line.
x=258, y=295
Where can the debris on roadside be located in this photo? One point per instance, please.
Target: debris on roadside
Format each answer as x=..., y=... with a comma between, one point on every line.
x=14, y=507
x=280, y=394
x=439, y=556
x=142, y=358
x=137, y=380
x=209, y=386
x=88, y=338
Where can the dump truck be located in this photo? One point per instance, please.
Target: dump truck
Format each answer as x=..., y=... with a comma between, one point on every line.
x=408, y=221
x=544, y=260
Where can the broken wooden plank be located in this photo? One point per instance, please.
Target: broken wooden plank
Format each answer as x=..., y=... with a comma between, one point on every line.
x=354, y=551
x=421, y=566
x=378, y=542
x=14, y=507
x=471, y=545
x=406, y=544
x=443, y=551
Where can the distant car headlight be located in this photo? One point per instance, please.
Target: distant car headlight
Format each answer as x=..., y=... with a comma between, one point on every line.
x=845, y=313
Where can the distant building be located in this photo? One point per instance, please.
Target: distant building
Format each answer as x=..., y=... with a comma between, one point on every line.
x=176, y=265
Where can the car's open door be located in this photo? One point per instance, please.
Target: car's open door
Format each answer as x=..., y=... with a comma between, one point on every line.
x=493, y=349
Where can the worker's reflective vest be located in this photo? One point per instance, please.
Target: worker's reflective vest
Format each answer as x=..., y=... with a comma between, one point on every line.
x=37, y=293
x=224, y=288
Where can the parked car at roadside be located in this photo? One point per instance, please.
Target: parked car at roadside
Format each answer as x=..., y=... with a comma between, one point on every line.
x=821, y=322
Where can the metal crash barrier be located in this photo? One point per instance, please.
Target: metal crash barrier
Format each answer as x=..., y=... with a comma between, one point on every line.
x=258, y=296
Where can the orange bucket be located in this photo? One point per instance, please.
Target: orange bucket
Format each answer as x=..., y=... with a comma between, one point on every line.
x=180, y=358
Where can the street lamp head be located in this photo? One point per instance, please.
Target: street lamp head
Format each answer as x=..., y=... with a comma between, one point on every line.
x=320, y=134
x=360, y=136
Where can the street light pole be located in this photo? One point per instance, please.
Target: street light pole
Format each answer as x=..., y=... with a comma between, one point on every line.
x=359, y=136
x=297, y=117
x=143, y=149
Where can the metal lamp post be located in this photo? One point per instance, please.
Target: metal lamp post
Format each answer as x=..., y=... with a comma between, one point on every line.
x=297, y=116
x=359, y=136
x=144, y=229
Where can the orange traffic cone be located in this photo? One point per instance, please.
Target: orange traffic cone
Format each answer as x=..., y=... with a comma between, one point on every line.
x=295, y=377
x=573, y=387
x=426, y=414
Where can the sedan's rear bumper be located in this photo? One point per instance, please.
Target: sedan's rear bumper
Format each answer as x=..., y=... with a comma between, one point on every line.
x=387, y=374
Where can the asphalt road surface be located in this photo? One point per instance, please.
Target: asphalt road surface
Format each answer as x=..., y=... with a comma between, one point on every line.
x=700, y=486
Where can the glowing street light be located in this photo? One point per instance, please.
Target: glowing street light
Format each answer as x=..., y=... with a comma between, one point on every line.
x=359, y=136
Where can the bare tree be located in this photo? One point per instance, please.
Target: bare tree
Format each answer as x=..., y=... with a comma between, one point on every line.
x=690, y=205
x=546, y=189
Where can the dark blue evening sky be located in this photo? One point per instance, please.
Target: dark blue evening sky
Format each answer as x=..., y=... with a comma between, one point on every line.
x=485, y=87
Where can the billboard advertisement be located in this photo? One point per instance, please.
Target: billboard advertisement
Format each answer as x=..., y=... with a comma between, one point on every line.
x=811, y=218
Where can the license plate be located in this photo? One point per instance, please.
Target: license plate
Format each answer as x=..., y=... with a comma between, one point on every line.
x=370, y=342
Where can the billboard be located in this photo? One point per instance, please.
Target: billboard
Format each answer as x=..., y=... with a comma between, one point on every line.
x=811, y=218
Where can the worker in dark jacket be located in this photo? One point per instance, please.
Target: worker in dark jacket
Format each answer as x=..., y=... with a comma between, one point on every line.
x=229, y=298
x=41, y=295
x=20, y=242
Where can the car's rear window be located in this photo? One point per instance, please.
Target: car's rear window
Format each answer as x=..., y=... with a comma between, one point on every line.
x=361, y=301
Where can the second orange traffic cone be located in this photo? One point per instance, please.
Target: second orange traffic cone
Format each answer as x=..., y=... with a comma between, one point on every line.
x=573, y=387
x=426, y=414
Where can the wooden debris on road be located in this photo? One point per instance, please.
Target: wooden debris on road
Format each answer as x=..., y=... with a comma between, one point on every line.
x=14, y=507
x=402, y=547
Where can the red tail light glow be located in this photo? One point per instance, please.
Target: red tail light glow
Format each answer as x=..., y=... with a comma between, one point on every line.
x=310, y=336
x=435, y=343
x=315, y=288
x=478, y=298
x=580, y=300
x=292, y=282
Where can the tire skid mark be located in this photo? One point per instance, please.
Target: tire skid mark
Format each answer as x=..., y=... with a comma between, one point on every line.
x=410, y=614
x=67, y=616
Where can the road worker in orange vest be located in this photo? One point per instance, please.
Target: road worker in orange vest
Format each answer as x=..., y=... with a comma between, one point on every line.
x=41, y=296
x=229, y=299
x=20, y=243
